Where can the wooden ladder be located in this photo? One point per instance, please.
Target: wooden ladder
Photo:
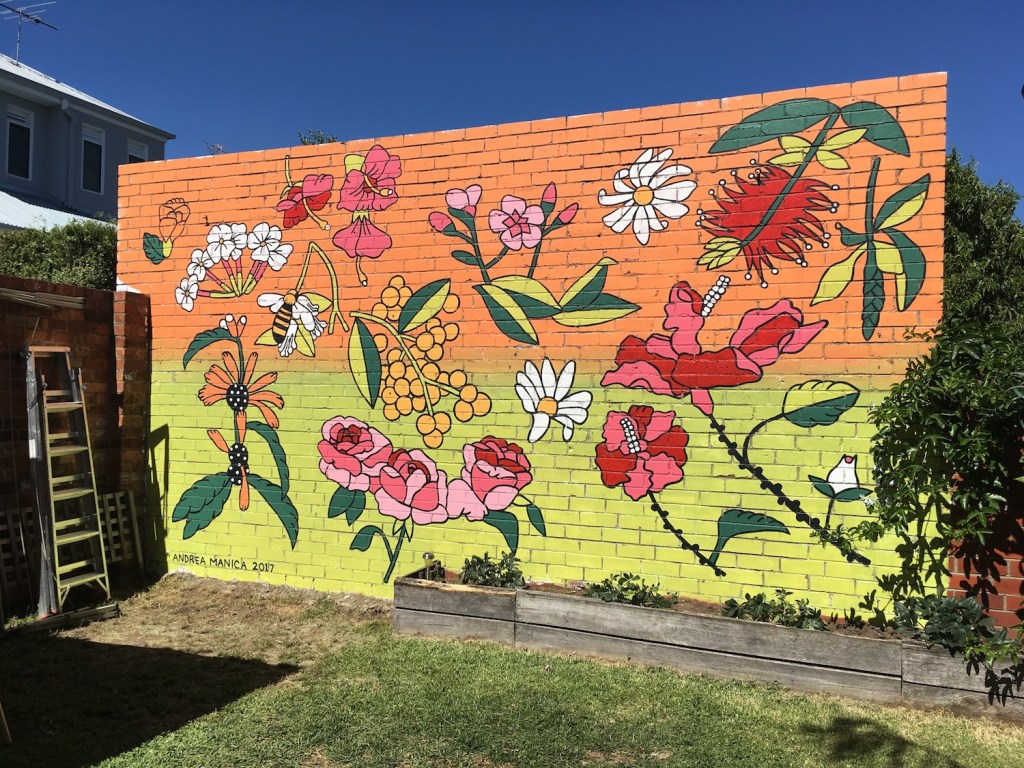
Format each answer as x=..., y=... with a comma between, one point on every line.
x=77, y=523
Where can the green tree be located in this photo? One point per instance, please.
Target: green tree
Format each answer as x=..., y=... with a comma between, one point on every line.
x=79, y=253
x=316, y=137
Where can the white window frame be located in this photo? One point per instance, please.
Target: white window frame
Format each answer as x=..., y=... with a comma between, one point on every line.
x=138, y=149
x=98, y=136
x=25, y=118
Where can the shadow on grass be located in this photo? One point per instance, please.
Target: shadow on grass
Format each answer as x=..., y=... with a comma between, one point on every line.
x=850, y=737
x=73, y=703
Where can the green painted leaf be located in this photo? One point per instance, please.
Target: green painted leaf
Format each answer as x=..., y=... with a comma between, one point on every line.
x=276, y=450
x=280, y=503
x=348, y=503
x=266, y=339
x=202, y=340
x=818, y=403
x=153, y=248
x=364, y=362
x=774, y=122
x=466, y=258
x=588, y=287
x=822, y=486
x=741, y=522
x=850, y=238
x=914, y=264
x=318, y=300
x=882, y=129
x=533, y=298
x=903, y=204
x=202, y=503
x=536, y=518
x=362, y=540
x=423, y=305
x=304, y=341
x=508, y=524
x=853, y=494
x=603, y=309
x=510, y=318
x=874, y=294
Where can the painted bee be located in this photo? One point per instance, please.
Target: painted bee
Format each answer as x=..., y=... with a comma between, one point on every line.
x=294, y=314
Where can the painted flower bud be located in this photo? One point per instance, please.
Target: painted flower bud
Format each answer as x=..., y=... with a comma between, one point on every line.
x=568, y=214
x=442, y=223
x=548, y=199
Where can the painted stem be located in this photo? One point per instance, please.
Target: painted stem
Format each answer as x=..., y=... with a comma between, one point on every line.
x=474, y=240
x=828, y=514
x=667, y=524
x=792, y=505
x=393, y=554
x=777, y=202
x=754, y=431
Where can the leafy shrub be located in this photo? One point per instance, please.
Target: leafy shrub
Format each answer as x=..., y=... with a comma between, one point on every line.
x=629, y=588
x=79, y=253
x=779, y=610
x=484, y=572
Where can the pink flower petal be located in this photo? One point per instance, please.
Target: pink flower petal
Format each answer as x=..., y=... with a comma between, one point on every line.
x=682, y=315
x=511, y=204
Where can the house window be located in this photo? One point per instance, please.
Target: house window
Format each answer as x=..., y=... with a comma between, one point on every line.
x=92, y=159
x=137, y=152
x=19, y=143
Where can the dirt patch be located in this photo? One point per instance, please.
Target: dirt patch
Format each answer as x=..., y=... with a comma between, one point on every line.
x=242, y=619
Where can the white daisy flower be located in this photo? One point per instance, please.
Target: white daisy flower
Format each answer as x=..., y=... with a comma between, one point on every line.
x=185, y=294
x=302, y=311
x=546, y=397
x=265, y=244
x=225, y=241
x=645, y=191
x=198, y=265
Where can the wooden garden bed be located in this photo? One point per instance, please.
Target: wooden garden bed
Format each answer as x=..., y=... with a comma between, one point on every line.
x=884, y=671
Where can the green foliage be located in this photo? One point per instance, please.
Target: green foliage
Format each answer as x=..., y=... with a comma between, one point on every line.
x=947, y=450
x=79, y=253
x=631, y=589
x=316, y=137
x=779, y=610
x=484, y=572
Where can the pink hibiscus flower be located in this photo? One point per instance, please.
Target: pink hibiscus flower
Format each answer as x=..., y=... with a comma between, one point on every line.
x=362, y=238
x=299, y=199
x=373, y=187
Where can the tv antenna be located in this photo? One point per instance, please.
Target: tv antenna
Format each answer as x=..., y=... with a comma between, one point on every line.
x=214, y=149
x=23, y=14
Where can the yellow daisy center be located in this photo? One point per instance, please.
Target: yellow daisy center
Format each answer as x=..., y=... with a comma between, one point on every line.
x=643, y=195
x=548, y=405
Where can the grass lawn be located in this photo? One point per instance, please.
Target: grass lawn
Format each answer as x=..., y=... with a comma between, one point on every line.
x=203, y=674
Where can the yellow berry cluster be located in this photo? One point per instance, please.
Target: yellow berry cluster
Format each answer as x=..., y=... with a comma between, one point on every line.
x=412, y=379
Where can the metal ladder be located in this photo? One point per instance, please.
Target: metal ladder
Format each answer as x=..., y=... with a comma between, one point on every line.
x=75, y=516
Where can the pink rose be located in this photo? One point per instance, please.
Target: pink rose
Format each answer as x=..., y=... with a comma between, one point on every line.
x=516, y=223
x=353, y=454
x=495, y=472
x=411, y=485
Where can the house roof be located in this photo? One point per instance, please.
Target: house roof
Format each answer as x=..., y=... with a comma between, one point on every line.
x=36, y=86
x=17, y=214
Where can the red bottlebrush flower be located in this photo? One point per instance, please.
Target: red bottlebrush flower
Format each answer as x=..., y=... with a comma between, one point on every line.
x=770, y=215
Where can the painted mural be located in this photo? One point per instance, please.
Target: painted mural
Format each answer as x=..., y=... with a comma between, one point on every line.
x=643, y=341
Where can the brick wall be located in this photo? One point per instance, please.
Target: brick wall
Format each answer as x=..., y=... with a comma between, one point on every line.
x=637, y=341
x=108, y=338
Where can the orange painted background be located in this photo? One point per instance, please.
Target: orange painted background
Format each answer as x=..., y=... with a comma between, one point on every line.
x=792, y=240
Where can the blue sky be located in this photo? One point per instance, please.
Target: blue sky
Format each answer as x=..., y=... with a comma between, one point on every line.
x=250, y=74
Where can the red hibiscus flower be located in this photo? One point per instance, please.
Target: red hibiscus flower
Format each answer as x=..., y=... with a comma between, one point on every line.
x=352, y=454
x=299, y=200
x=643, y=451
x=678, y=366
x=371, y=188
x=769, y=216
x=495, y=471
